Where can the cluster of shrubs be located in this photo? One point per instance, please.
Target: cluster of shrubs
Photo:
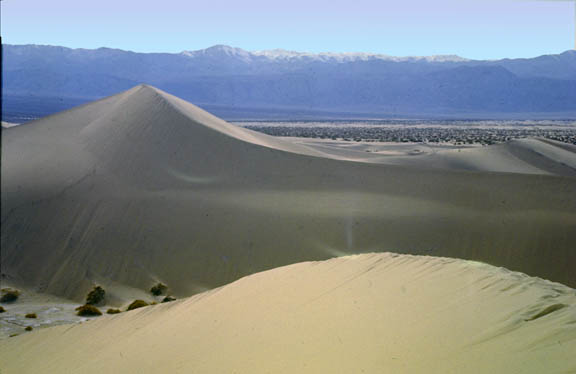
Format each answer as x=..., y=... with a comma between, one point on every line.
x=97, y=296
x=9, y=295
x=161, y=289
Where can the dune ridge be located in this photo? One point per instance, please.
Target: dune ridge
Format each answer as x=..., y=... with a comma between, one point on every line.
x=368, y=313
x=525, y=156
x=143, y=187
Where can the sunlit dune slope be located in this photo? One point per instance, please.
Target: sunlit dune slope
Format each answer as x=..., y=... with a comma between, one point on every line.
x=144, y=187
x=372, y=313
x=527, y=156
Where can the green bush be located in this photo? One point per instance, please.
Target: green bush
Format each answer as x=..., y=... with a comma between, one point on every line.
x=88, y=311
x=9, y=295
x=137, y=304
x=158, y=289
x=167, y=299
x=96, y=296
x=113, y=311
x=31, y=315
x=28, y=328
x=2, y=310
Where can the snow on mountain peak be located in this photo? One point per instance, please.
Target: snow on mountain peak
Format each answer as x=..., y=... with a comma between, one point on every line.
x=286, y=55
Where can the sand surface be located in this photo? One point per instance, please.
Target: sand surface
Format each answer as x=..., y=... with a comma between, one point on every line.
x=371, y=313
x=50, y=311
x=527, y=156
x=144, y=187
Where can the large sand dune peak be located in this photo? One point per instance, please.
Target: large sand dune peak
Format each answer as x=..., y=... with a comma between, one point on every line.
x=142, y=187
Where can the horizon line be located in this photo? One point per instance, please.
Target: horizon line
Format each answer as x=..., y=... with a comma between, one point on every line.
x=257, y=51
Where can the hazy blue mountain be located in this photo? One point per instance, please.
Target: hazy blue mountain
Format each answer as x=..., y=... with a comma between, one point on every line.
x=283, y=80
x=562, y=66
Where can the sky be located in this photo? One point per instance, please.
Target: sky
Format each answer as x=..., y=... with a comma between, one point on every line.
x=479, y=29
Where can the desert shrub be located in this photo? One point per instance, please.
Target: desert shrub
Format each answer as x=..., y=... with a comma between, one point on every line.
x=88, y=310
x=113, y=311
x=13, y=335
x=167, y=299
x=96, y=296
x=9, y=295
x=2, y=310
x=137, y=304
x=31, y=315
x=158, y=289
x=28, y=328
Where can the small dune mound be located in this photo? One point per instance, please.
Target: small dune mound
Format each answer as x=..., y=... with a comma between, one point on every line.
x=137, y=304
x=88, y=311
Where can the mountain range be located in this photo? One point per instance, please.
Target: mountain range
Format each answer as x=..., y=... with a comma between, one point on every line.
x=40, y=80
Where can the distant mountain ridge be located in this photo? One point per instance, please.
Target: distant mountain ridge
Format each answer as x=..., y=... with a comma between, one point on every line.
x=295, y=81
x=282, y=54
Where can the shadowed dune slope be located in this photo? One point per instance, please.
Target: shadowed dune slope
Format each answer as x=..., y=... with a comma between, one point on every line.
x=143, y=187
x=371, y=313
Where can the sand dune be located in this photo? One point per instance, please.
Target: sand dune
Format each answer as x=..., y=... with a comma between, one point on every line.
x=372, y=313
x=143, y=186
x=527, y=156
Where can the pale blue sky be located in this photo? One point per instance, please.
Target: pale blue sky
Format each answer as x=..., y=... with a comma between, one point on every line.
x=469, y=28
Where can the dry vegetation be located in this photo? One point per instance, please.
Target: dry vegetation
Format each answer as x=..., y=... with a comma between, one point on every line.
x=137, y=304
x=9, y=295
x=158, y=289
x=88, y=311
x=96, y=296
